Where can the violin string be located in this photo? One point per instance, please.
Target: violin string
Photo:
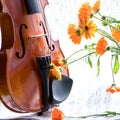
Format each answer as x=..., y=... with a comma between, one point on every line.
x=38, y=39
x=48, y=35
x=47, y=32
x=41, y=50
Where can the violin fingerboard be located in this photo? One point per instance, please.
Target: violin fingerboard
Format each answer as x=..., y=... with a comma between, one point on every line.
x=32, y=6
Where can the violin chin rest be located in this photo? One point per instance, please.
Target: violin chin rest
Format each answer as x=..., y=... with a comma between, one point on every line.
x=61, y=89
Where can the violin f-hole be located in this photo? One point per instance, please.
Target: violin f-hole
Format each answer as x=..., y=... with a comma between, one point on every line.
x=51, y=47
x=22, y=41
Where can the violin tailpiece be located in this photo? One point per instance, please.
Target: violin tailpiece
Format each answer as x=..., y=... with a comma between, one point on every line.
x=43, y=64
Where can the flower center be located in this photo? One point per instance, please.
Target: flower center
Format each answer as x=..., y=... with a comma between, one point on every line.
x=86, y=27
x=78, y=32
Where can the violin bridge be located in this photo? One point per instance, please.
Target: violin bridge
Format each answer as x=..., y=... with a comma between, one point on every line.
x=37, y=36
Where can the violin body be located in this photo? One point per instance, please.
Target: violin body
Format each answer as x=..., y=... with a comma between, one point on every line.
x=24, y=34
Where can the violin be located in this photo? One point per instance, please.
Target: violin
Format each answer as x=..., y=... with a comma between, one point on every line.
x=26, y=53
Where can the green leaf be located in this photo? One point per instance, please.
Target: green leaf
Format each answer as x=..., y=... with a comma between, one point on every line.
x=116, y=65
x=98, y=66
x=89, y=61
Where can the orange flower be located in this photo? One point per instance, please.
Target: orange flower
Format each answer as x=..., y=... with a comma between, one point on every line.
x=54, y=73
x=75, y=34
x=101, y=46
x=57, y=114
x=96, y=6
x=85, y=11
x=88, y=28
x=60, y=62
x=113, y=88
x=116, y=34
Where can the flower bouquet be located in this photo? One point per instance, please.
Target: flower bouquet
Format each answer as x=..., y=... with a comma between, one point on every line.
x=92, y=22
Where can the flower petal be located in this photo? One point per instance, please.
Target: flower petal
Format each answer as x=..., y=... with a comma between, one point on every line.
x=57, y=114
x=101, y=46
x=54, y=73
x=74, y=34
x=85, y=11
x=96, y=6
x=113, y=88
x=116, y=35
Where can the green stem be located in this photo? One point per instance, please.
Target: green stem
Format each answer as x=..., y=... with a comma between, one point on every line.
x=107, y=113
x=98, y=18
x=113, y=21
x=75, y=53
x=94, y=115
x=81, y=57
x=99, y=13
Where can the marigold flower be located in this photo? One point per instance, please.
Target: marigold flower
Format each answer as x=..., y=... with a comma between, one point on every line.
x=57, y=114
x=116, y=34
x=101, y=46
x=96, y=6
x=60, y=62
x=85, y=11
x=75, y=34
x=113, y=88
x=88, y=29
x=54, y=73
